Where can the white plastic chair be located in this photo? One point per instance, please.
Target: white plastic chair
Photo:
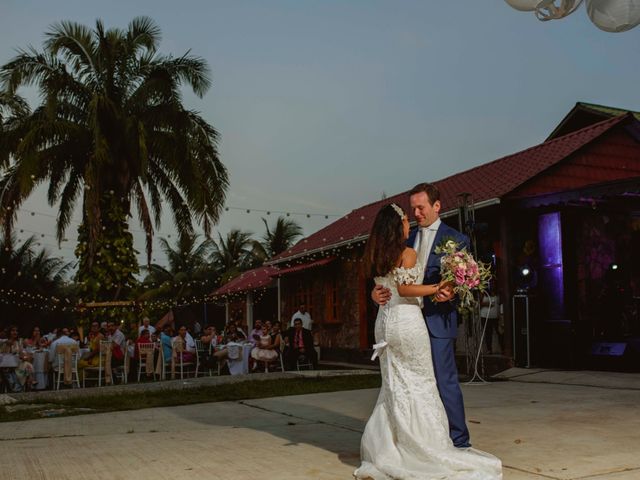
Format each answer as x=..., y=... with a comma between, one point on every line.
x=122, y=371
x=306, y=363
x=103, y=357
x=201, y=351
x=146, y=351
x=59, y=367
x=178, y=360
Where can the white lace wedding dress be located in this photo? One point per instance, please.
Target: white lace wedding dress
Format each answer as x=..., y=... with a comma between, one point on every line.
x=407, y=435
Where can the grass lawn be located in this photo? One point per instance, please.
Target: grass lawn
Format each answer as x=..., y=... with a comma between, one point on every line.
x=214, y=393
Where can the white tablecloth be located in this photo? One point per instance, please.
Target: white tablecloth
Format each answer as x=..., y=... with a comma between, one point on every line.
x=9, y=360
x=40, y=369
x=240, y=366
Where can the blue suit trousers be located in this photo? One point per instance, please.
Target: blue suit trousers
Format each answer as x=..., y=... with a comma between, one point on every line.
x=444, y=364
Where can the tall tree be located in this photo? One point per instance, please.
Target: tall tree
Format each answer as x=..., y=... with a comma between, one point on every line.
x=233, y=254
x=111, y=131
x=32, y=282
x=279, y=238
x=13, y=109
x=188, y=273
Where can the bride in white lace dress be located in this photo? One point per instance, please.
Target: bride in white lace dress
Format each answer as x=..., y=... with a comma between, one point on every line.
x=407, y=435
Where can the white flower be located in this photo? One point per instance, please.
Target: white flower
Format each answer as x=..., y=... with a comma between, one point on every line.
x=450, y=244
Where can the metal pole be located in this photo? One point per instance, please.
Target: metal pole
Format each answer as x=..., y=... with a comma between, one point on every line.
x=526, y=302
x=249, y=311
x=279, y=303
x=527, y=331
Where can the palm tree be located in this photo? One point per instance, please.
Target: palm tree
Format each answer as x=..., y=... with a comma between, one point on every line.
x=30, y=281
x=13, y=109
x=233, y=254
x=281, y=237
x=112, y=131
x=188, y=274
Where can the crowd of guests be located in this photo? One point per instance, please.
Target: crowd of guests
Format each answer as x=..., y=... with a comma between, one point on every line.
x=22, y=377
x=270, y=345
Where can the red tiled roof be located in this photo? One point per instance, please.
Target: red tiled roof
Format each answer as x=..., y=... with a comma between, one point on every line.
x=249, y=280
x=487, y=182
x=304, y=266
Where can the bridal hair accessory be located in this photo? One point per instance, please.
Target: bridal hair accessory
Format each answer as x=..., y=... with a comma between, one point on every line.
x=398, y=210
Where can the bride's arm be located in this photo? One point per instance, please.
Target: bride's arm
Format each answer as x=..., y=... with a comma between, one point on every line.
x=409, y=258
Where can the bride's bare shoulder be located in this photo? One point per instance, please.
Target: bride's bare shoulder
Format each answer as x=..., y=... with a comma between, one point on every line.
x=409, y=257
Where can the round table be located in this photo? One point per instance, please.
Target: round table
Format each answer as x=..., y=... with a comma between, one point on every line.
x=239, y=366
x=41, y=369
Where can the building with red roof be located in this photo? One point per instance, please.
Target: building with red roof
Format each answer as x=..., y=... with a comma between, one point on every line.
x=566, y=198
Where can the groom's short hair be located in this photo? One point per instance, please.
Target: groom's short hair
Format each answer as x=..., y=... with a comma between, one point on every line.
x=430, y=189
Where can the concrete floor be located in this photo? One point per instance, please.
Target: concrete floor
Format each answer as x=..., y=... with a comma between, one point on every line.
x=545, y=430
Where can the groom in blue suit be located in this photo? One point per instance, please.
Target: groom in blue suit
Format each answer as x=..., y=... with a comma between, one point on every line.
x=440, y=316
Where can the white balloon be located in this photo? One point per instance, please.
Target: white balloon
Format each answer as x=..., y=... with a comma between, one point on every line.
x=548, y=10
x=614, y=15
x=523, y=5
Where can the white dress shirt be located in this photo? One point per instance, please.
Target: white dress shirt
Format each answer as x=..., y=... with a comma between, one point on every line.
x=63, y=340
x=151, y=329
x=119, y=338
x=425, y=239
x=191, y=344
x=424, y=242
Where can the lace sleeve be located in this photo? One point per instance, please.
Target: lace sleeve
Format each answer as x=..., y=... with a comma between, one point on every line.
x=406, y=276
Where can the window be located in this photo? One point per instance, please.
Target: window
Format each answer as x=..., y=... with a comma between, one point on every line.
x=301, y=294
x=331, y=301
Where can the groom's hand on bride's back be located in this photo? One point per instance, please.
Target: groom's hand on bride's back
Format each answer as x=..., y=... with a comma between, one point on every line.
x=380, y=294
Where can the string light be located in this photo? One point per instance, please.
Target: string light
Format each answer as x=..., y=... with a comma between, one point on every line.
x=339, y=252
x=227, y=208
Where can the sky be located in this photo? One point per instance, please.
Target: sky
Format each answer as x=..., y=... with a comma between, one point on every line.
x=326, y=105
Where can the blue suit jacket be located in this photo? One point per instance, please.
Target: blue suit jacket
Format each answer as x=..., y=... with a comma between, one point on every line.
x=441, y=318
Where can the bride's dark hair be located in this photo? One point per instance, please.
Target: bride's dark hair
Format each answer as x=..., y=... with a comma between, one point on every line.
x=386, y=242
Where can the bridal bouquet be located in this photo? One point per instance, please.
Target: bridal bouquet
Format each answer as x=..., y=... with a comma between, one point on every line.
x=458, y=267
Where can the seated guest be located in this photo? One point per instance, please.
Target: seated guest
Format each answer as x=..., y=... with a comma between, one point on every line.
x=166, y=342
x=210, y=336
x=92, y=358
x=210, y=340
x=119, y=342
x=144, y=337
x=276, y=336
x=254, y=336
x=149, y=358
x=233, y=334
x=24, y=375
x=35, y=340
x=189, y=345
x=146, y=325
x=266, y=351
x=115, y=334
x=75, y=335
x=300, y=344
x=62, y=339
